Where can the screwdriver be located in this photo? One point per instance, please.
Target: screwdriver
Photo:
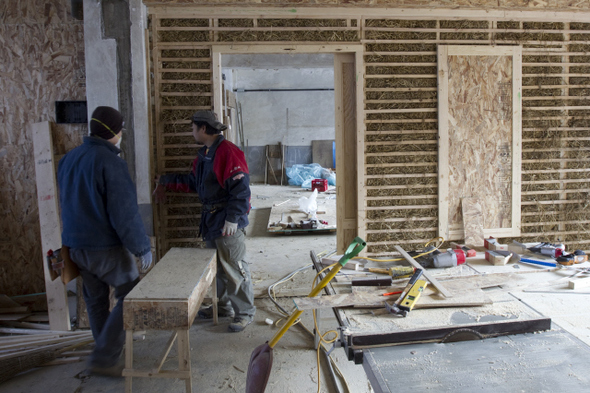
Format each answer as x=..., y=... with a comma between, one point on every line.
x=395, y=272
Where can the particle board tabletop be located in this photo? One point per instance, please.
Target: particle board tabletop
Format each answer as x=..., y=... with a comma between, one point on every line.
x=169, y=296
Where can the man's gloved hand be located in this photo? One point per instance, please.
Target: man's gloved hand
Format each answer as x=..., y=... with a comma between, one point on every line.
x=229, y=228
x=146, y=261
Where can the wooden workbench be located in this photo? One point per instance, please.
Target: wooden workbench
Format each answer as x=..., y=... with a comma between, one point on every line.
x=168, y=298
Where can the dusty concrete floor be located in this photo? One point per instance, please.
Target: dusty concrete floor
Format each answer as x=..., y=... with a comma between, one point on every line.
x=220, y=359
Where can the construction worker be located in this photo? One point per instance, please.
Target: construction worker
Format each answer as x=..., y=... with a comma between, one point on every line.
x=220, y=176
x=103, y=229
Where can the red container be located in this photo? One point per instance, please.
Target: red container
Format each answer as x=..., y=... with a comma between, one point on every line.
x=319, y=184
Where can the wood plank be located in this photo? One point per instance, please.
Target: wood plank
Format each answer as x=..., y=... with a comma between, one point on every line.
x=472, y=222
x=13, y=317
x=67, y=344
x=168, y=297
x=443, y=141
x=579, y=283
x=59, y=315
x=6, y=302
x=425, y=273
x=27, y=325
x=374, y=298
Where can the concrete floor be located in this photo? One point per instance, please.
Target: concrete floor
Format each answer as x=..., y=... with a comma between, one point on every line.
x=220, y=359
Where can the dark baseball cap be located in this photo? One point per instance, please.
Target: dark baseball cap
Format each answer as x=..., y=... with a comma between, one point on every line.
x=210, y=118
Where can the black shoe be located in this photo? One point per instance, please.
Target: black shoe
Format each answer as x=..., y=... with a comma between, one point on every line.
x=207, y=313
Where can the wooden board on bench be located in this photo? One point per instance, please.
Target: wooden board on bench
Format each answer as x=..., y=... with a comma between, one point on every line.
x=169, y=296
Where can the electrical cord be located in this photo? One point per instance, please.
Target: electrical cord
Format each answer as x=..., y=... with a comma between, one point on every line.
x=271, y=293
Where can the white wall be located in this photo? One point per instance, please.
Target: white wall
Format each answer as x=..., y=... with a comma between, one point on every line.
x=294, y=118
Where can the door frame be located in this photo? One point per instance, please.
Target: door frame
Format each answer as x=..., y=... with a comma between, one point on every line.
x=357, y=50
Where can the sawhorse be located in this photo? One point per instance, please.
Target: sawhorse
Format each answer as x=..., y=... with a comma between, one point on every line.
x=168, y=298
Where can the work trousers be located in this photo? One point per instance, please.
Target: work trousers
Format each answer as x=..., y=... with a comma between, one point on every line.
x=99, y=270
x=234, y=284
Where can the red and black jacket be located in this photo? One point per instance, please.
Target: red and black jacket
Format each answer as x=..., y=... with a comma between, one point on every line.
x=220, y=176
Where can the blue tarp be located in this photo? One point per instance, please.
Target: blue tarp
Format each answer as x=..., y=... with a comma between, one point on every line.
x=303, y=174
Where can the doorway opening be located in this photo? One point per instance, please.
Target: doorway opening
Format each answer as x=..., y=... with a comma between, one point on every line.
x=295, y=110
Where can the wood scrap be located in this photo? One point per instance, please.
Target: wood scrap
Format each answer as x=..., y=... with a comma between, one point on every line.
x=14, y=310
x=362, y=298
x=426, y=274
x=472, y=221
x=579, y=283
x=13, y=317
x=6, y=302
x=17, y=354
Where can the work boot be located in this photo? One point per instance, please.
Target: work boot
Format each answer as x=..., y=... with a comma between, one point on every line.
x=112, y=371
x=222, y=312
x=239, y=324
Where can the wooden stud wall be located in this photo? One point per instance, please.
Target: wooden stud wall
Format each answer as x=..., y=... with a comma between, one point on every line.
x=400, y=163
x=183, y=83
x=402, y=127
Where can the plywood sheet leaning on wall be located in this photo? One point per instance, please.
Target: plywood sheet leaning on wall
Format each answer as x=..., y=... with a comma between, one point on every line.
x=479, y=112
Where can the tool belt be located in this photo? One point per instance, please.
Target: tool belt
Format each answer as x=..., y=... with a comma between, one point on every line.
x=213, y=207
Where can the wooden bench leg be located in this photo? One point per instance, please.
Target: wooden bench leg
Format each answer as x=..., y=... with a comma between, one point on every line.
x=214, y=297
x=184, y=357
x=128, y=359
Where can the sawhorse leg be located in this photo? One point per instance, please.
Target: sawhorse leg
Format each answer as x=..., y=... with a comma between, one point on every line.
x=214, y=299
x=184, y=357
x=128, y=359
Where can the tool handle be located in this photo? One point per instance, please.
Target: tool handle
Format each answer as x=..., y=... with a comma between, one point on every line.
x=535, y=262
x=353, y=250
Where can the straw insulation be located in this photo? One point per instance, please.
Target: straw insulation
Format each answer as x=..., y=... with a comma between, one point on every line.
x=401, y=119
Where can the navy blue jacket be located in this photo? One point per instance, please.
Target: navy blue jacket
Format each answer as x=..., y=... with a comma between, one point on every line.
x=98, y=200
x=220, y=177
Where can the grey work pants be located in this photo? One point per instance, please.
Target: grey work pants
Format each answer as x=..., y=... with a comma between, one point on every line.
x=99, y=270
x=234, y=284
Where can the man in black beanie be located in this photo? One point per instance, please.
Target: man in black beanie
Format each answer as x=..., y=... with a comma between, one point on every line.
x=103, y=229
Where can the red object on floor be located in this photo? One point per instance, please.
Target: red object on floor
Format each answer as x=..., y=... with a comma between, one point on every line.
x=319, y=184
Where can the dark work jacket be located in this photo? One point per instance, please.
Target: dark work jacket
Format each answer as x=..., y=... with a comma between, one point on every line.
x=220, y=176
x=98, y=200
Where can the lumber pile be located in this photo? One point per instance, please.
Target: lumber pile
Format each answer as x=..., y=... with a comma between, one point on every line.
x=26, y=340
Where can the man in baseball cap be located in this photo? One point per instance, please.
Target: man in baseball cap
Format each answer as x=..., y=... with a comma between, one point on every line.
x=220, y=177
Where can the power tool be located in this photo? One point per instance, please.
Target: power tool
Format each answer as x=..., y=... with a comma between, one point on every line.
x=410, y=295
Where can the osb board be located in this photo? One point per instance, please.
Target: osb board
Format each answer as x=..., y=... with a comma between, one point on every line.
x=169, y=296
x=479, y=132
x=42, y=52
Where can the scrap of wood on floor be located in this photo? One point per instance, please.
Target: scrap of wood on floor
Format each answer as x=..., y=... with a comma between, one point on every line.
x=26, y=340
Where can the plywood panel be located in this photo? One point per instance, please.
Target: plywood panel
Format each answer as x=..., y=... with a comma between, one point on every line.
x=42, y=52
x=480, y=139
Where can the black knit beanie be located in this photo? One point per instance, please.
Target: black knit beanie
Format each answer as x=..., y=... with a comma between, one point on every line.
x=106, y=122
